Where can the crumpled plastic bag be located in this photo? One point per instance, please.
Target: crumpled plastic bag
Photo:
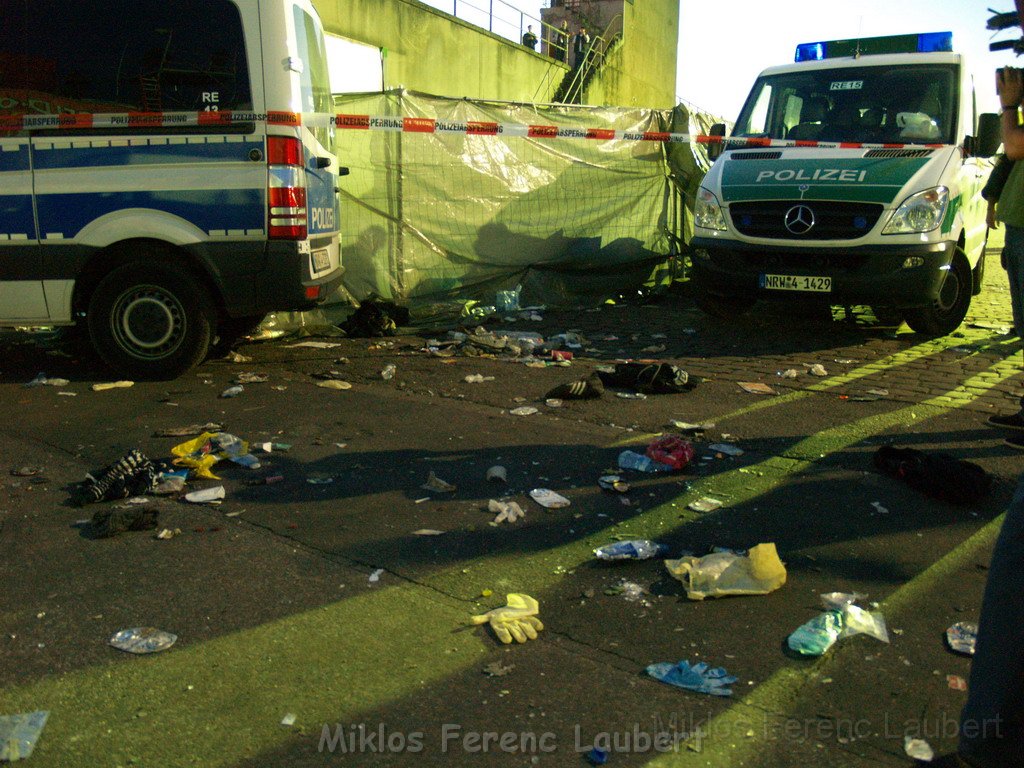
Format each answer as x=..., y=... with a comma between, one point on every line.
x=201, y=453
x=727, y=573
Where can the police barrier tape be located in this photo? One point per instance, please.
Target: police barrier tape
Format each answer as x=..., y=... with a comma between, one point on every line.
x=28, y=122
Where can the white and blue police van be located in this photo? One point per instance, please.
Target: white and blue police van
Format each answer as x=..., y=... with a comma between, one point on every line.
x=161, y=180
x=852, y=176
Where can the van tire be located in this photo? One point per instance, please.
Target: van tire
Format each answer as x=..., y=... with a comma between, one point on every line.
x=978, y=273
x=944, y=315
x=725, y=307
x=150, y=320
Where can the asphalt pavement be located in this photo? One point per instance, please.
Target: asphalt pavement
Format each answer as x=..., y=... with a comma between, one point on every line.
x=317, y=597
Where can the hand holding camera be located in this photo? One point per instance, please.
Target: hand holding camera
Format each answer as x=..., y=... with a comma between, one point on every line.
x=1009, y=87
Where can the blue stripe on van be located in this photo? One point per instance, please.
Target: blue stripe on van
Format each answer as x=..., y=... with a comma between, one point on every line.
x=16, y=216
x=205, y=209
x=159, y=154
x=14, y=161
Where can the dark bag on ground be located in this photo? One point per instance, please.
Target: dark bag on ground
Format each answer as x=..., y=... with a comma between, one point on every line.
x=938, y=474
x=110, y=522
x=649, y=378
x=375, y=317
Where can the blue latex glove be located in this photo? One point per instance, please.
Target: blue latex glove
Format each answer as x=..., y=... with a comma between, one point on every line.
x=697, y=678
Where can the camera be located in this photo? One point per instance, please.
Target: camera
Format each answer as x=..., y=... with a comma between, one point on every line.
x=1003, y=21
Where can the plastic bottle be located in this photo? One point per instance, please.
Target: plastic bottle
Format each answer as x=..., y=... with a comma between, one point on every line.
x=641, y=463
x=389, y=372
x=637, y=549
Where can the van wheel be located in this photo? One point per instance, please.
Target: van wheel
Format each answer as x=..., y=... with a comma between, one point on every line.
x=944, y=315
x=725, y=307
x=150, y=321
x=978, y=273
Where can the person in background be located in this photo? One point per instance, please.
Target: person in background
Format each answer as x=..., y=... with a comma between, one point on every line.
x=530, y=39
x=580, y=47
x=560, y=44
x=1010, y=211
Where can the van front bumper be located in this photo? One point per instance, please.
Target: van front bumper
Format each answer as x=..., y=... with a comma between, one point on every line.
x=885, y=275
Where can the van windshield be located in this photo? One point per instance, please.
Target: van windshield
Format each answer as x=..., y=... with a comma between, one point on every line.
x=901, y=104
x=314, y=80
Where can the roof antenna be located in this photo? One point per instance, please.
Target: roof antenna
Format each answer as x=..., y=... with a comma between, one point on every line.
x=860, y=29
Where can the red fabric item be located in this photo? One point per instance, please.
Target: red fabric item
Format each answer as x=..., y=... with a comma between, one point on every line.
x=674, y=451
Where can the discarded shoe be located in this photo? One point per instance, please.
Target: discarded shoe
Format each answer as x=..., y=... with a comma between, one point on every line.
x=649, y=378
x=110, y=522
x=581, y=389
x=938, y=475
x=131, y=475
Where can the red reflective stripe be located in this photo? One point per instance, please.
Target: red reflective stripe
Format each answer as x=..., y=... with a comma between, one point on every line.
x=284, y=118
x=360, y=122
x=657, y=136
x=143, y=118
x=704, y=139
x=600, y=133
x=215, y=118
x=417, y=124
x=542, y=131
x=850, y=144
x=481, y=129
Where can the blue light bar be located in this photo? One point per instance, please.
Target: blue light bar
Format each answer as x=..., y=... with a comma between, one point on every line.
x=810, y=52
x=929, y=42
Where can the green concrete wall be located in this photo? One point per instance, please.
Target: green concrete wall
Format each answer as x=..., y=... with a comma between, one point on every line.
x=431, y=51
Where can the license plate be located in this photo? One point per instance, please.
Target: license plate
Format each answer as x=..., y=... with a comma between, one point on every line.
x=797, y=283
x=321, y=260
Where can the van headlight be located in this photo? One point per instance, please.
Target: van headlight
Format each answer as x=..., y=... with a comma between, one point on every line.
x=707, y=213
x=921, y=212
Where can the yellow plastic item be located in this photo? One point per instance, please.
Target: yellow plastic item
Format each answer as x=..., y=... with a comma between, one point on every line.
x=726, y=573
x=517, y=620
x=201, y=453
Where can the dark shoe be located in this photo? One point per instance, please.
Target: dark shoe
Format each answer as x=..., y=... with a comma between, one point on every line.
x=581, y=389
x=1012, y=421
x=1015, y=441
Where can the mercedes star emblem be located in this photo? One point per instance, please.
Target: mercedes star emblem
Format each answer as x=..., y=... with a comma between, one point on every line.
x=799, y=219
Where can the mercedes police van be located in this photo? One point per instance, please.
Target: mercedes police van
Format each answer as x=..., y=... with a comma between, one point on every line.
x=160, y=182
x=852, y=176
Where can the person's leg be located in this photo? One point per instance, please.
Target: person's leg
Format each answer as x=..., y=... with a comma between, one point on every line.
x=992, y=721
x=1013, y=256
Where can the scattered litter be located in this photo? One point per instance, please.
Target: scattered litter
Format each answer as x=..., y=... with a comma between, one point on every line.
x=561, y=355
x=837, y=601
x=497, y=474
x=816, y=370
x=168, y=533
x=524, y=410
x=375, y=576
x=699, y=678
x=686, y=426
x=289, y=719
x=640, y=463
x=654, y=349
x=553, y=402
x=420, y=501
x=203, y=452
x=918, y=749
x=271, y=447
x=879, y=508
x=236, y=357
x=705, y=504
x=672, y=451
x=613, y=483
x=314, y=345
x=334, y=384
x=191, y=429
x=789, y=373
x=26, y=471
x=19, y=734
x=206, y=495
x=436, y=484
x=938, y=474
x=110, y=522
x=252, y=378
x=68, y=394
x=597, y=756
x=498, y=669
x=729, y=573
x=817, y=635
x=956, y=683
x=41, y=380
x=840, y=620
x=143, y=640
x=727, y=448
x=549, y=499
x=517, y=620
x=507, y=511
x=103, y=386
x=756, y=388
x=879, y=392
x=631, y=395
x=131, y=475
x=962, y=637
x=477, y=378
x=636, y=549
x=867, y=397
x=844, y=360
x=388, y=373
x=319, y=478
x=234, y=391
x=428, y=532
x=991, y=326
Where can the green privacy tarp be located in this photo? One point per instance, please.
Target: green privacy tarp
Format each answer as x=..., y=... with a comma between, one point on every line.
x=430, y=216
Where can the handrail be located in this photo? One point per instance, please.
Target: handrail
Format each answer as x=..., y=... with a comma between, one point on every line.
x=510, y=29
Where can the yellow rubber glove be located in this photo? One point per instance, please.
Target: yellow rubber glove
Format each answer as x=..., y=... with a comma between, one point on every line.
x=516, y=620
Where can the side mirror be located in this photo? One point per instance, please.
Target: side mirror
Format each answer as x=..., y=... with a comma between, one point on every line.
x=989, y=137
x=715, y=150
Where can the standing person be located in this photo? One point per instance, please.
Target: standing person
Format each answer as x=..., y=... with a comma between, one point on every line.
x=530, y=39
x=1010, y=211
x=560, y=43
x=580, y=47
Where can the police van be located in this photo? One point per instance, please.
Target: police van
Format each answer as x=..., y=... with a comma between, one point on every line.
x=160, y=181
x=852, y=176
